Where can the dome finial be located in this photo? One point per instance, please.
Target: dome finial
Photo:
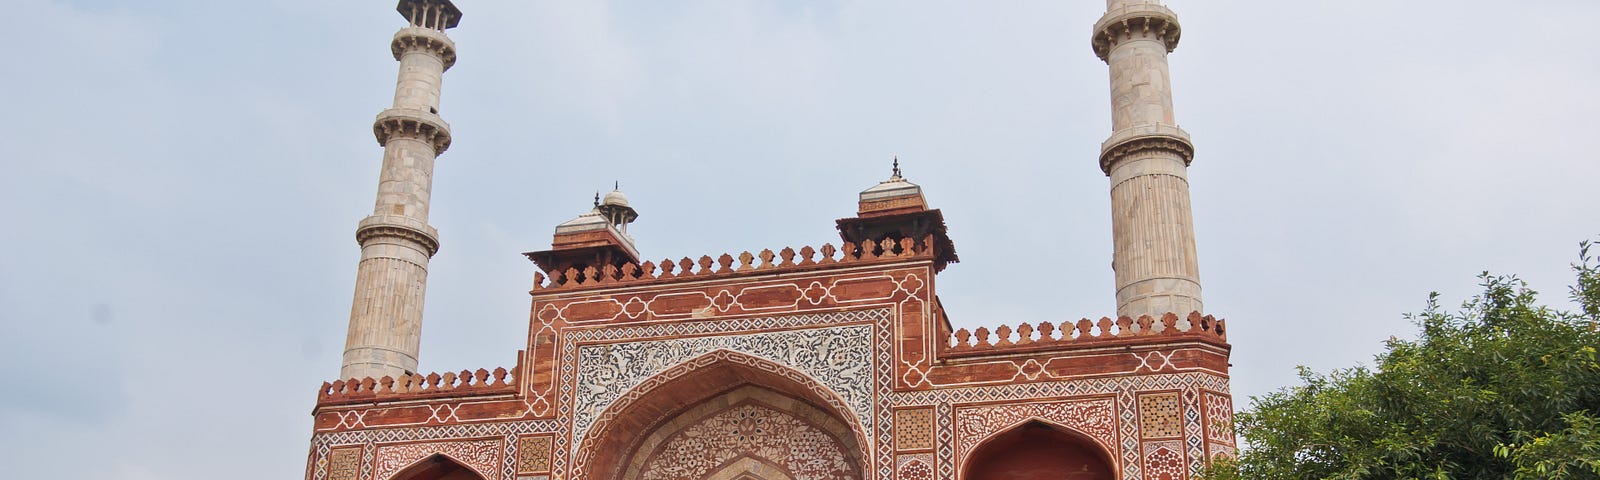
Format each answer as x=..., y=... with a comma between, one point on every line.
x=616, y=185
x=896, y=166
x=596, y=198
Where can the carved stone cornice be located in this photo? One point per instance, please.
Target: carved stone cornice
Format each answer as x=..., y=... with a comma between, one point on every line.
x=418, y=38
x=1128, y=21
x=397, y=226
x=415, y=123
x=1140, y=138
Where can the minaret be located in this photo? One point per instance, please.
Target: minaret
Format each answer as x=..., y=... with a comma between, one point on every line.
x=396, y=241
x=1147, y=158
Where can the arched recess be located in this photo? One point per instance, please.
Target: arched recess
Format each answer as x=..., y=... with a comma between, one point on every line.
x=746, y=468
x=1039, y=450
x=437, y=467
x=709, y=388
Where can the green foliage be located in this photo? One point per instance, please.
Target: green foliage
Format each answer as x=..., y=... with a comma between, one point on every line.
x=1570, y=453
x=1503, y=388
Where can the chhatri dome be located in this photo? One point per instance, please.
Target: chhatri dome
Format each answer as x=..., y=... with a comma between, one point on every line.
x=615, y=199
x=895, y=195
x=595, y=238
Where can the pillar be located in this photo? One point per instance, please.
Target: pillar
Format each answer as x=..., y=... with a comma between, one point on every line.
x=1147, y=159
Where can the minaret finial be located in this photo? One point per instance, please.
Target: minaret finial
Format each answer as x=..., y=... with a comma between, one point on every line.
x=896, y=166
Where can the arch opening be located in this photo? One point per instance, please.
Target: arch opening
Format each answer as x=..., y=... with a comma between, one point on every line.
x=1036, y=450
x=728, y=420
x=748, y=468
x=437, y=467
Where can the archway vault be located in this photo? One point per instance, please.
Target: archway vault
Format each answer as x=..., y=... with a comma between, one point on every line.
x=437, y=467
x=747, y=468
x=740, y=416
x=1037, y=449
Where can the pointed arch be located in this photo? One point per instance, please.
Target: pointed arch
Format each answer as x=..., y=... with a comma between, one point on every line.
x=746, y=468
x=671, y=400
x=437, y=467
x=1037, y=448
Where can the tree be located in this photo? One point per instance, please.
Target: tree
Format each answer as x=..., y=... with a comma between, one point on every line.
x=1502, y=388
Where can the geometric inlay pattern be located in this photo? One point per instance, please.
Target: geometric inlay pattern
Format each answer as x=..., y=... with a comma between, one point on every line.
x=917, y=466
x=1219, y=418
x=482, y=456
x=1163, y=460
x=344, y=463
x=1220, y=450
x=913, y=429
x=533, y=454
x=1094, y=418
x=1159, y=415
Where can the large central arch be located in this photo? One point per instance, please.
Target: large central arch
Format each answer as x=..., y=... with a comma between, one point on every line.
x=727, y=416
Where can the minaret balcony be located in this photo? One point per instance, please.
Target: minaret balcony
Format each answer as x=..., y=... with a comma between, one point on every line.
x=418, y=38
x=399, y=226
x=1141, y=18
x=1150, y=136
x=412, y=122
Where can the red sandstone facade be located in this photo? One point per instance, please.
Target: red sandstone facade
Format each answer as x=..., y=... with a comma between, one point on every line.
x=831, y=363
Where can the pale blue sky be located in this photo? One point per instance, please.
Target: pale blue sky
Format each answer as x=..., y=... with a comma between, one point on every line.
x=183, y=179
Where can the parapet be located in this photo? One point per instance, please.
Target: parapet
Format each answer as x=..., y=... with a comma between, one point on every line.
x=420, y=387
x=784, y=261
x=1084, y=333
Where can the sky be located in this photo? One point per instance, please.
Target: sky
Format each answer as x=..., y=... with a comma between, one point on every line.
x=183, y=179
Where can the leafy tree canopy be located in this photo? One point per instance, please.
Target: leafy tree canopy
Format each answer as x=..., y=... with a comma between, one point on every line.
x=1502, y=388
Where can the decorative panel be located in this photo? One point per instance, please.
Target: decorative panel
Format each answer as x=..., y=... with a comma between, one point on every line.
x=913, y=429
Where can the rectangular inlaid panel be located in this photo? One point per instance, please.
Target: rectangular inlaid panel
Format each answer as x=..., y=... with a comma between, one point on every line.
x=1160, y=416
x=913, y=429
x=344, y=463
x=533, y=454
x=914, y=466
x=1219, y=418
x=1163, y=460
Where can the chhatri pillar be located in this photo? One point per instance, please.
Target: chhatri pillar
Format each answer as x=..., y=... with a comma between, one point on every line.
x=1147, y=158
x=396, y=241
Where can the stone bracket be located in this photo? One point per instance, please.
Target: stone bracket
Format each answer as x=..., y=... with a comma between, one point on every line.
x=412, y=122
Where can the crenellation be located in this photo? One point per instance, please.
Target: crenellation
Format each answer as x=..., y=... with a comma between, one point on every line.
x=1084, y=333
x=725, y=265
x=410, y=387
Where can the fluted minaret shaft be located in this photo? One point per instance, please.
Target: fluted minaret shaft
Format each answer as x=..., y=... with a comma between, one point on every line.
x=1147, y=159
x=396, y=241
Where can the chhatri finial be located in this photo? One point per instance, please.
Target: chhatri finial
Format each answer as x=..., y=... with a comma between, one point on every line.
x=596, y=198
x=896, y=166
x=616, y=185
